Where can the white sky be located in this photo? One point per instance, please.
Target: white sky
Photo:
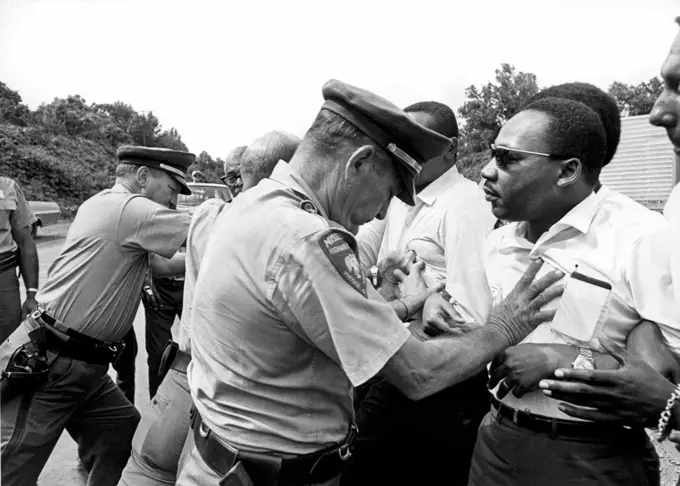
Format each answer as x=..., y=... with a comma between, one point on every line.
x=225, y=72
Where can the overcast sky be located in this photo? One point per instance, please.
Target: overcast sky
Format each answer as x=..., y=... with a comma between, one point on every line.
x=225, y=72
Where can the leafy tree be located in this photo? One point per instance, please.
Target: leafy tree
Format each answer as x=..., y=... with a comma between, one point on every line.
x=170, y=139
x=12, y=109
x=636, y=100
x=487, y=108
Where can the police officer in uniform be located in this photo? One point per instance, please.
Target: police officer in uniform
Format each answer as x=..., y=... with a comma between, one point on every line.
x=87, y=306
x=158, y=441
x=17, y=249
x=280, y=339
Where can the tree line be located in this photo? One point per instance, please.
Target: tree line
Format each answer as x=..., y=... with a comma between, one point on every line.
x=486, y=108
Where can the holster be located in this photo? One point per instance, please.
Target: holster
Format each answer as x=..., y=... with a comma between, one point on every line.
x=169, y=354
x=28, y=366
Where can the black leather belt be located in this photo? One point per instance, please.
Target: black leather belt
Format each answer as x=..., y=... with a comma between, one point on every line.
x=181, y=361
x=558, y=427
x=76, y=345
x=169, y=282
x=267, y=469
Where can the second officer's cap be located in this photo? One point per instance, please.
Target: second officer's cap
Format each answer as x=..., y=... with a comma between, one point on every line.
x=174, y=162
x=410, y=144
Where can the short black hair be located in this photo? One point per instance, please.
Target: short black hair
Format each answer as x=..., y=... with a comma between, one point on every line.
x=597, y=100
x=574, y=131
x=445, y=122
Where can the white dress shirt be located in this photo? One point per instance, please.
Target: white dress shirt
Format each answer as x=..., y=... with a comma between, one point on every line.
x=446, y=228
x=600, y=236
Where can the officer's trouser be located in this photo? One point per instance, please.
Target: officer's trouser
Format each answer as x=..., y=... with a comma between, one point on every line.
x=79, y=397
x=159, y=325
x=509, y=455
x=193, y=471
x=126, y=366
x=158, y=442
x=10, y=303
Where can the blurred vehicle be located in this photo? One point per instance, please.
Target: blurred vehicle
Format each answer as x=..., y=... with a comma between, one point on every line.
x=47, y=213
x=201, y=192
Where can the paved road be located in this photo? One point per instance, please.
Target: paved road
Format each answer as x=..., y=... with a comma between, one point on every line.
x=61, y=469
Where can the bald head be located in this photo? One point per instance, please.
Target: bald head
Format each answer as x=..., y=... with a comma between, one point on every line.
x=261, y=156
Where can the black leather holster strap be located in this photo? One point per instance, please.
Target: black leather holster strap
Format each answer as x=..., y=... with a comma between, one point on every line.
x=181, y=361
x=561, y=428
x=76, y=345
x=267, y=469
x=173, y=358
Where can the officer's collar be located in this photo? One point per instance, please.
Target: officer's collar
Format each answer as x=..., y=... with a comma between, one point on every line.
x=289, y=177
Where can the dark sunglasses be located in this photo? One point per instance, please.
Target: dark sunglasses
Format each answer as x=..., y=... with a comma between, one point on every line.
x=230, y=180
x=501, y=154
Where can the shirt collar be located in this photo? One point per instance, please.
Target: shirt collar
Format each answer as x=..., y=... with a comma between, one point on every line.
x=438, y=186
x=289, y=177
x=120, y=188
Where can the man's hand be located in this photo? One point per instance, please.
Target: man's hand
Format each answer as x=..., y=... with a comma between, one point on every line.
x=520, y=312
x=150, y=294
x=389, y=284
x=29, y=305
x=634, y=394
x=521, y=367
x=412, y=289
x=440, y=318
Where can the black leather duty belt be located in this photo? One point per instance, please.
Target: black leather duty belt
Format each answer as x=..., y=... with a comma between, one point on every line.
x=173, y=358
x=268, y=469
x=67, y=342
x=560, y=428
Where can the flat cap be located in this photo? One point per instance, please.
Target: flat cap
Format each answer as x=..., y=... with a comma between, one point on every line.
x=409, y=143
x=174, y=162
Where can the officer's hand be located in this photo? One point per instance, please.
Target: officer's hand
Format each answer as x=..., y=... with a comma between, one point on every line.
x=520, y=312
x=150, y=295
x=520, y=368
x=439, y=318
x=29, y=305
x=635, y=393
x=413, y=290
x=389, y=285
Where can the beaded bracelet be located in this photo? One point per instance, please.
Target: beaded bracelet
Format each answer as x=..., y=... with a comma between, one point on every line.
x=665, y=417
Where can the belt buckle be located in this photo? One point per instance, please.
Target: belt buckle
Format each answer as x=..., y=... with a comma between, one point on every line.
x=37, y=313
x=345, y=450
x=116, y=351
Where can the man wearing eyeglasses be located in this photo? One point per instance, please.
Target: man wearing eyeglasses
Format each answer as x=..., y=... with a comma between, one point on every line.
x=545, y=167
x=232, y=170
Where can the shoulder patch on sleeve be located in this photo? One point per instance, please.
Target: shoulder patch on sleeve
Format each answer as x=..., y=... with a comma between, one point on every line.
x=336, y=245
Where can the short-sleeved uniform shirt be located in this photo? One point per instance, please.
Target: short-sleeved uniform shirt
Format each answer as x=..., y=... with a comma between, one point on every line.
x=94, y=286
x=202, y=222
x=598, y=237
x=284, y=323
x=14, y=213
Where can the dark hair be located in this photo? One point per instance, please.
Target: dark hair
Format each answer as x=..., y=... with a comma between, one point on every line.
x=445, y=122
x=597, y=100
x=575, y=131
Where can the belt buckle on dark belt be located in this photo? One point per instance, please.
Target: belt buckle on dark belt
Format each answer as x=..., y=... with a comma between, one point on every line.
x=327, y=465
x=116, y=351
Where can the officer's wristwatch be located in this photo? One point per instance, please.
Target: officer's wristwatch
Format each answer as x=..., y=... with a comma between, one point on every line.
x=584, y=360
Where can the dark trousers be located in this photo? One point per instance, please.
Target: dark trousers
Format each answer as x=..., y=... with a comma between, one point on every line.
x=125, y=366
x=81, y=398
x=509, y=455
x=10, y=303
x=428, y=442
x=159, y=325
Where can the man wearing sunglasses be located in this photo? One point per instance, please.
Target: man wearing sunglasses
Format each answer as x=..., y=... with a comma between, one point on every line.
x=542, y=178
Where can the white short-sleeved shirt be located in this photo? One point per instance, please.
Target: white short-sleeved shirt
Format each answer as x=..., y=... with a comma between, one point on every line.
x=15, y=213
x=95, y=284
x=284, y=323
x=600, y=235
x=202, y=222
x=446, y=228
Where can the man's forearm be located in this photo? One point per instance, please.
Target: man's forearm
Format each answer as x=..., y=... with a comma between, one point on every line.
x=437, y=364
x=28, y=264
x=163, y=267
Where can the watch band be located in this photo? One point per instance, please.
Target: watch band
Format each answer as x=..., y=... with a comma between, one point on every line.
x=31, y=289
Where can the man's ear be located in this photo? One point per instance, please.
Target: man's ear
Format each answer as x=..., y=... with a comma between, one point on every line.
x=358, y=159
x=571, y=171
x=142, y=176
x=451, y=152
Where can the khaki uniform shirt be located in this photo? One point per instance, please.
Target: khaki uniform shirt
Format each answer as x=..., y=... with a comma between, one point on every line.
x=95, y=285
x=284, y=323
x=14, y=213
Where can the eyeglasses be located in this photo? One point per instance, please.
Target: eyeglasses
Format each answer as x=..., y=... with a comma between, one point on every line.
x=501, y=154
x=230, y=180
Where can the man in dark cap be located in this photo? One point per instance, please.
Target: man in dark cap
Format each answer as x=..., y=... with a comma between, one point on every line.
x=280, y=339
x=86, y=307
